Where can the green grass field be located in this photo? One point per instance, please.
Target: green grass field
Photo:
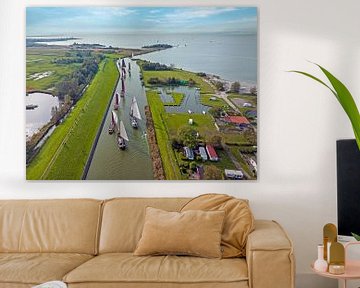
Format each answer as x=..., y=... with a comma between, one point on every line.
x=204, y=124
x=172, y=171
x=224, y=161
x=179, y=74
x=40, y=61
x=205, y=99
x=65, y=153
x=178, y=98
x=247, y=98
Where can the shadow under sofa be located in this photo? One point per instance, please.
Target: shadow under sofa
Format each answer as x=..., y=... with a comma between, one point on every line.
x=90, y=243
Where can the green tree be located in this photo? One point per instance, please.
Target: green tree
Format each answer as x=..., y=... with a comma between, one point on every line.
x=187, y=136
x=211, y=172
x=219, y=85
x=235, y=87
x=253, y=90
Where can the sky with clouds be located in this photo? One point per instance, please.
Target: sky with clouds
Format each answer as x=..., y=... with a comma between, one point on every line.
x=76, y=20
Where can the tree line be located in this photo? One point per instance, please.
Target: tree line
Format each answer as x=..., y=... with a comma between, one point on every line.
x=74, y=84
x=149, y=66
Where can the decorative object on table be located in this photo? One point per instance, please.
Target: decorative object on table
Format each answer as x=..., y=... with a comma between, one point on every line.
x=341, y=267
x=337, y=258
x=320, y=264
x=344, y=97
x=329, y=236
x=52, y=284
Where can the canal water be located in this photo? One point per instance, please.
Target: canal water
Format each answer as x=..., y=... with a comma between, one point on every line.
x=134, y=163
x=41, y=115
x=191, y=100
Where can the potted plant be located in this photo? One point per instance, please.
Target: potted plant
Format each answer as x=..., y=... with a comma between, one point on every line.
x=345, y=99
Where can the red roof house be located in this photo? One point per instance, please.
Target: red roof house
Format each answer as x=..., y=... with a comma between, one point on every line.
x=237, y=120
x=212, y=153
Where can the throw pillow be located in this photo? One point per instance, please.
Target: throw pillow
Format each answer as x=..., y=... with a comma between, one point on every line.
x=238, y=224
x=196, y=233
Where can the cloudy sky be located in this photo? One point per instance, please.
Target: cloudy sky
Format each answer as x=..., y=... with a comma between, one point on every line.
x=70, y=21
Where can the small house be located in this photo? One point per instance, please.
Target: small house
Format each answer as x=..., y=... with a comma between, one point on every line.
x=212, y=153
x=189, y=154
x=203, y=154
x=239, y=120
x=234, y=174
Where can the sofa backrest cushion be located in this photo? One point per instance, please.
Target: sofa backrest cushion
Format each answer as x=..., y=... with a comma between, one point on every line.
x=123, y=220
x=64, y=226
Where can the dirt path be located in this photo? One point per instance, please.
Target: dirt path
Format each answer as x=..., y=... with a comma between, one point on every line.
x=222, y=95
x=236, y=163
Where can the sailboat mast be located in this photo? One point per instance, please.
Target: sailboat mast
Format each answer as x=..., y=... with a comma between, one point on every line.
x=134, y=109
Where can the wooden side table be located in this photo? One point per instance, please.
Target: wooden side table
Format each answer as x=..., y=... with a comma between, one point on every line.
x=352, y=268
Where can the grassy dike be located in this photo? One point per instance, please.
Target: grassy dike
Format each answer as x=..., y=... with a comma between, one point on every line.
x=65, y=153
x=171, y=169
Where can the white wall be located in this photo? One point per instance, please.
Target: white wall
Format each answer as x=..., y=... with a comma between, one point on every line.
x=299, y=121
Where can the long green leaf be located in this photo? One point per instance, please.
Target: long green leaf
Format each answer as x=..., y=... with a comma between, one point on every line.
x=316, y=79
x=347, y=102
x=357, y=237
x=344, y=97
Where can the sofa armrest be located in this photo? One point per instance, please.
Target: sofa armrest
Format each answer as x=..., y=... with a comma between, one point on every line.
x=269, y=255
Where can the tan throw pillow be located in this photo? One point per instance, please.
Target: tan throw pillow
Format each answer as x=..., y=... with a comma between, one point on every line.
x=238, y=224
x=196, y=233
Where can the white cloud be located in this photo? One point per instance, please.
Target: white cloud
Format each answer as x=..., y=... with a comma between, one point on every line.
x=190, y=14
x=111, y=11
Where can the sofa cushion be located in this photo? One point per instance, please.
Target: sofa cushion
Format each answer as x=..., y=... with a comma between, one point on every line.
x=126, y=268
x=194, y=232
x=238, y=223
x=35, y=268
x=62, y=226
x=123, y=220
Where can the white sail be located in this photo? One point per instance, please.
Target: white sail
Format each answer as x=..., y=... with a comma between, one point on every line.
x=134, y=109
x=115, y=118
x=123, y=133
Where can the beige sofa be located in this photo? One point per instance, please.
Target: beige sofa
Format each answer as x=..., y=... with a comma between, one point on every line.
x=89, y=243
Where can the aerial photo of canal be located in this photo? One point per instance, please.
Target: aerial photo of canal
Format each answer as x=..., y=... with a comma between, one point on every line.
x=174, y=100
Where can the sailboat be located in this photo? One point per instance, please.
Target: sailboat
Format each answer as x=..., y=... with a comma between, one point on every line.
x=122, y=93
x=117, y=101
x=122, y=136
x=134, y=113
x=113, y=122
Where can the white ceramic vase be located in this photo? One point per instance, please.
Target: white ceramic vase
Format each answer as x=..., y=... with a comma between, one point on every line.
x=320, y=264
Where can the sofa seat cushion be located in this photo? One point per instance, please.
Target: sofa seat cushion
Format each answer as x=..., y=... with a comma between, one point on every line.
x=36, y=268
x=127, y=268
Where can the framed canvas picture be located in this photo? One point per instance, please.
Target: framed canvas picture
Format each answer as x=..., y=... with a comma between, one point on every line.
x=141, y=93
